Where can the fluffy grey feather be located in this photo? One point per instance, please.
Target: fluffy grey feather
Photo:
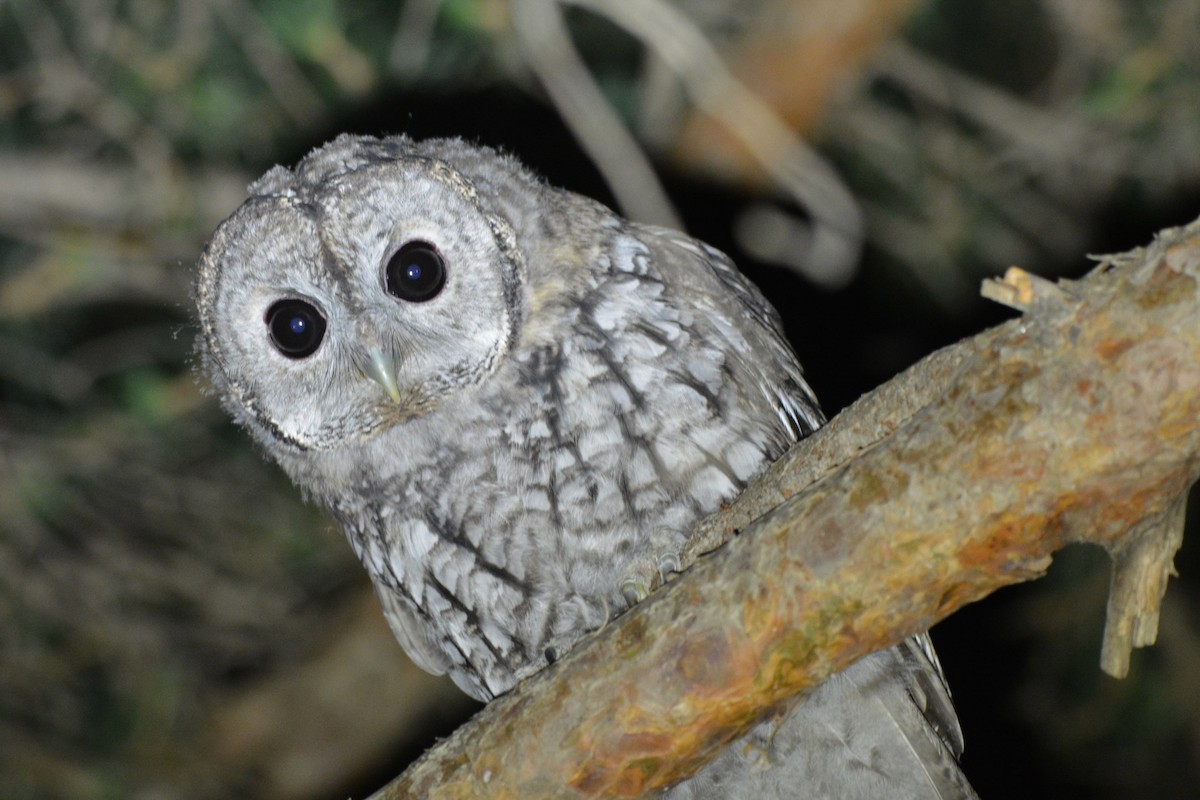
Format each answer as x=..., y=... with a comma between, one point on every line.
x=517, y=403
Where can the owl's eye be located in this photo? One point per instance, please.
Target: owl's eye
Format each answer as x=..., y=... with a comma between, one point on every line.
x=296, y=327
x=416, y=272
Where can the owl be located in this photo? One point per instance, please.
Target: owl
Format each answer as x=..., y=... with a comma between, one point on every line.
x=516, y=404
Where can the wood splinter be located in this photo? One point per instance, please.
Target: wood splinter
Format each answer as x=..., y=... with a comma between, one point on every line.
x=1141, y=567
x=1019, y=289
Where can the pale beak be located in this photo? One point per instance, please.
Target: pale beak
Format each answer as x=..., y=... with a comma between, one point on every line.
x=382, y=370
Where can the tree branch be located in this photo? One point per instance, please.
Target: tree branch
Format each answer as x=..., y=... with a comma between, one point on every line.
x=1077, y=422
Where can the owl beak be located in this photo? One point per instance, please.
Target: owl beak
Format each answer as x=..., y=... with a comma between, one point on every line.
x=382, y=370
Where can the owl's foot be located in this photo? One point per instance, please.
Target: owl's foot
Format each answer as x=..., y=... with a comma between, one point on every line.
x=634, y=590
x=645, y=578
x=668, y=564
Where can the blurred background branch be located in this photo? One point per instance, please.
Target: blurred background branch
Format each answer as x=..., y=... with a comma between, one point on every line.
x=174, y=622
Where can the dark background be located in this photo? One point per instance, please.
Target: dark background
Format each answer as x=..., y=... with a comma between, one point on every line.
x=175, y=622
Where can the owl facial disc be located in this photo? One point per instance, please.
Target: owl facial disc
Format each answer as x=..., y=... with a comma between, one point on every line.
x=355, y=293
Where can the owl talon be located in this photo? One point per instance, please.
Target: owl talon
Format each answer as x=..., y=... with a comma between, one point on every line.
x=634, y=590
x=668, y=564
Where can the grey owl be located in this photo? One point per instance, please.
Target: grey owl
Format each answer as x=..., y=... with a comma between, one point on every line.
x=516, y=403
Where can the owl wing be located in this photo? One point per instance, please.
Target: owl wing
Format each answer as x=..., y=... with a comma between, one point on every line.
x=412, y=632
x=905, y=684
x=861, y=735
x=926, y=685
x=742, y=315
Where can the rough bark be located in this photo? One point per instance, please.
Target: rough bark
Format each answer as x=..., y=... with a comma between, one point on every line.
x=1077, y=422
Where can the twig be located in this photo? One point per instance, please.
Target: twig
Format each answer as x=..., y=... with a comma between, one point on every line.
x=413, y=39
x=798, y=169
x=629, y=175
x=292, y=90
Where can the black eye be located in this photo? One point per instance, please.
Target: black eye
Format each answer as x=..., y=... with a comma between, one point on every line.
x=416, y=273
x=296, y=327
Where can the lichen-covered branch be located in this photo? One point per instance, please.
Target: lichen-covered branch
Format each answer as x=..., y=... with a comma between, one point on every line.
x=1078, y=422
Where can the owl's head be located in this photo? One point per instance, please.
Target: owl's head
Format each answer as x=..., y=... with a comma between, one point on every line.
x=359, y=290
